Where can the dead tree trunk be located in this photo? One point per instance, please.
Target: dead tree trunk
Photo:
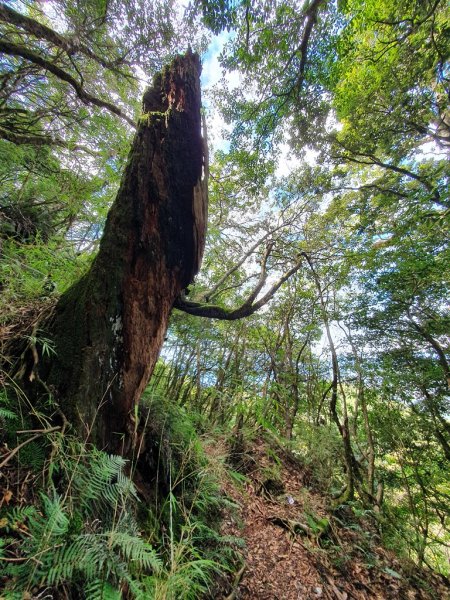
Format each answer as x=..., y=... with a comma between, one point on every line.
x=109, y=327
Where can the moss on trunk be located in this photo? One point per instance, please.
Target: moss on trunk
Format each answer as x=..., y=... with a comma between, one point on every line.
x=109, y=327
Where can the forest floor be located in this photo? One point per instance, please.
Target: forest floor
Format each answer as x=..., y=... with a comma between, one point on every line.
x=296, y=549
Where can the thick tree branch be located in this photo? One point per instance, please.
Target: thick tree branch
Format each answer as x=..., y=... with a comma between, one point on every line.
x=70, y=46
x=212, y=311
x=310, y=16
x=17, y=50
x=40, y=140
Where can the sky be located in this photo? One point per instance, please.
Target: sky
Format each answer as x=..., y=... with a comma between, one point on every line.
x=212, y=74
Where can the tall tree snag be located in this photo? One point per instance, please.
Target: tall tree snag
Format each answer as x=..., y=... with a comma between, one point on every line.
x=109, y=327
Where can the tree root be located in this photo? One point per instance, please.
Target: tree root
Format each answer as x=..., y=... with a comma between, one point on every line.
x=294, y=527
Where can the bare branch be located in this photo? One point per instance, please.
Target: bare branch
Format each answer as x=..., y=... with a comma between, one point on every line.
x=209, y=294
x=373, y=160
x=246, y=309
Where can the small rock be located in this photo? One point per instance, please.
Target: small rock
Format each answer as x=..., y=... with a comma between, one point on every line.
x=318, y=591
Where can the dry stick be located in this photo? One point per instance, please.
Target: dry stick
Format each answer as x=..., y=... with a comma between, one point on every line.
x=33, y=558
x=63, y=429
x=22, y=444
x=337, y=592
x=19, y=559
x=236, y=583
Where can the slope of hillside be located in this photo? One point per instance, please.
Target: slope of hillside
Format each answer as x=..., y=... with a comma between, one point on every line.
x=297, y=548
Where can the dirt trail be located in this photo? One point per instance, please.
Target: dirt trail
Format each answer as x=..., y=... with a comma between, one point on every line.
x=295, y=550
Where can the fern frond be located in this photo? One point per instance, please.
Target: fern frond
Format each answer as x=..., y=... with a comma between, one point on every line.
x=136, y=551
x=86, y=554
x=114, y=553
x=7, y=414
x=102, y=590
x=19, y=514
x=103, y=483
x=232, y=540
x=48, y=529
x=56, y=521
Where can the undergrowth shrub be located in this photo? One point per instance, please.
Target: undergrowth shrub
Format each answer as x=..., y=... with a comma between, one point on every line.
x=189, y=515
x=320, y=449
x=85, y=533
x=27, y=270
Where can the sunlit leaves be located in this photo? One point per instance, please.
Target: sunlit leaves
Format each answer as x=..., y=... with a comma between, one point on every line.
x=388, y=81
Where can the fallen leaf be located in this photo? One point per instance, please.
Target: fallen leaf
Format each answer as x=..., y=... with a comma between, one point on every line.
x=7, y=497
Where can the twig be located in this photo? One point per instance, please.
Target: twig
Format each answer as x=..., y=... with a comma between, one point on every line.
x=236, y=583
x=41, y=431
x=24, y=443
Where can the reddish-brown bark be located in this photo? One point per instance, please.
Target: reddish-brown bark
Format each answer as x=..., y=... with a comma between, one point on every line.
x=109, y=327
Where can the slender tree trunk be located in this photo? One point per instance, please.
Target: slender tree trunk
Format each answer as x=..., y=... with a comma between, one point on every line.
x=344, y=429
x=109, y=327
x=215, y=408
x=361, y=397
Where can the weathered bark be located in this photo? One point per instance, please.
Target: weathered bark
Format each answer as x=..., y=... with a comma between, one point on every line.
x=109, y=327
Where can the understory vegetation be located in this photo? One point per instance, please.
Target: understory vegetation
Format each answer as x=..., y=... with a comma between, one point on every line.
x=74, y=523
x=318, y=326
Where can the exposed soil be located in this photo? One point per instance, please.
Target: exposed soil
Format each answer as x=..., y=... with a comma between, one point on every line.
x=296, y=549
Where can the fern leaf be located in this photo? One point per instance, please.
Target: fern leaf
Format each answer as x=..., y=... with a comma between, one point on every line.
x=136, y=551
x=102, y=590
x=7, y=414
